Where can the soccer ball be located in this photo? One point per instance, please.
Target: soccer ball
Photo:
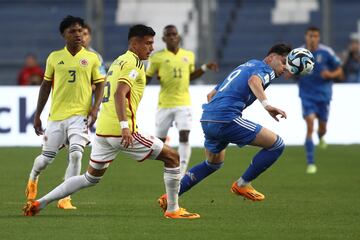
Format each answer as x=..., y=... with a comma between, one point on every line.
x=300, y=61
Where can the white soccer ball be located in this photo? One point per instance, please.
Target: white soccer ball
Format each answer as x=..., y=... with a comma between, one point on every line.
x=300, y=61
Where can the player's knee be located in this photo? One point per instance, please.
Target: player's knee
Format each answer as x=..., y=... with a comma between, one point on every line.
x=48, y=157
x=173, y=159
x=184, y=136
x=278, y=146
x=215, y=165
x=91, y=180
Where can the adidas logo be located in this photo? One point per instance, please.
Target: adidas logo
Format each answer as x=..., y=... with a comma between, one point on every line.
x=61, y=62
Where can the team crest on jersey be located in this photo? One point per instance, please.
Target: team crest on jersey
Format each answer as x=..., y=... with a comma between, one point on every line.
x=319, y=58
x=84, y=62
x=185, y=59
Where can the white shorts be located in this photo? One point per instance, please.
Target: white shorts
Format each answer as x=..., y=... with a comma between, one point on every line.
x=166, y=116
x=73, y=129
x=105, y=149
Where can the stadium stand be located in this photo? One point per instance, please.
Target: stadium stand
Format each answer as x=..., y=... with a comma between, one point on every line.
x=244, y=28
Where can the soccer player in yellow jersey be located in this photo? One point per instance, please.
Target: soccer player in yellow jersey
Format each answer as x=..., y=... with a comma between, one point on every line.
x=117, y=130
x=69, y=75
x=175, y=68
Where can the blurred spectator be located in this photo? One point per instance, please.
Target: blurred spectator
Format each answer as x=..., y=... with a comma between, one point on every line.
x=352, y=62
x=31, y=73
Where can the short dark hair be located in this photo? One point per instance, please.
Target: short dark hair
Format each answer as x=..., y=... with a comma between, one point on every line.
x=87, y=26
x=280, y=49
x=313, y=28
x=169, y=26
x=140, y=30
x=69, y=21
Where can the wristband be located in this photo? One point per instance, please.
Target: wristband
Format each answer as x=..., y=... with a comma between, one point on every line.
x=204, y=67
x=124, y=124
x=265, y=103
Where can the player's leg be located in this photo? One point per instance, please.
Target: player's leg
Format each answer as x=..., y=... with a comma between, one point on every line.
x=148, y=147
x=272, y=147
x=215, y=155
x=323, y=115
x=183, y=121
x=53, y=138
x=309, y=143
x=163, y=121
x=172, y=184
x=101, y=151
x=78, y=139
x=309, y=109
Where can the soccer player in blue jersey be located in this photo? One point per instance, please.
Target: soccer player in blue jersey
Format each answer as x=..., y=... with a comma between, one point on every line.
x=222, y=123
x=315, y=91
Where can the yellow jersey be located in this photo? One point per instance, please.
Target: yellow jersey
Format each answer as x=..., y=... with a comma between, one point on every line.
x=174, y=72
x=71, y=78
x=127, y=69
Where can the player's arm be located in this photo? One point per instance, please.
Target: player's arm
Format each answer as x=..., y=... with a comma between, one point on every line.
x=200, y=71
x=210, y=95
x=255, y=84
x=152, y=68
x=44, y=93
x=98, y=93
x=120, y=105
x=337, y=73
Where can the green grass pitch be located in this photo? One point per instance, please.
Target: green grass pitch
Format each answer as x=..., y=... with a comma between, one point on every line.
x=123, y=206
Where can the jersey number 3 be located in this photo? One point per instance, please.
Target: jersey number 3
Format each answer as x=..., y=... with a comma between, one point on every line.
x=73, y=75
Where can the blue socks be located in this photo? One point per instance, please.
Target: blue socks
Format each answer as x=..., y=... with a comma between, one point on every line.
x=196, y=174
x=264, y=159
x=309, y=148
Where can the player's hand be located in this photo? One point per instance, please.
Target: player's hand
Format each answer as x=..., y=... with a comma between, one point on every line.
x=212, y=66
x=92, y=116
x=274, y=112
x=38, y=126
x=126, y=139
x=326, y=74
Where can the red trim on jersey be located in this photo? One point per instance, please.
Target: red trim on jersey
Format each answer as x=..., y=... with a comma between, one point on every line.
x=107, y=161
x=132, y=113
x=146, y=144
x=148, y=155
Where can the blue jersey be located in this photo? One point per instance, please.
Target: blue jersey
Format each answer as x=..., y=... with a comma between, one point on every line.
x=313, y=86
x=234, y=94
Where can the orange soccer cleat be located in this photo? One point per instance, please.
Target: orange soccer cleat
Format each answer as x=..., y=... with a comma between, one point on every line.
x=31, y=189
x=66, y=204
x=247, y=192
x=181, y=213
x=163, y=202
x=31, y=208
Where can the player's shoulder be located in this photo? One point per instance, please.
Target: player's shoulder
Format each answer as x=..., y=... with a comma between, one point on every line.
x=158, y=54
x=187, y=52
x=327, y=49
x=57, y=53
x=91, y=53
x=129, y=60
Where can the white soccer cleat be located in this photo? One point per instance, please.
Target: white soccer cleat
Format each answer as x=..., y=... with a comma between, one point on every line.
x=311, y=169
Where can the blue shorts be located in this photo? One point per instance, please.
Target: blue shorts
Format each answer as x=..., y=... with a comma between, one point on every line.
x=321, y=109
x=239, y=131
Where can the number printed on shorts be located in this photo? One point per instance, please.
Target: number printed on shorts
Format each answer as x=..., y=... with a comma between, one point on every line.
x=73, y=75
